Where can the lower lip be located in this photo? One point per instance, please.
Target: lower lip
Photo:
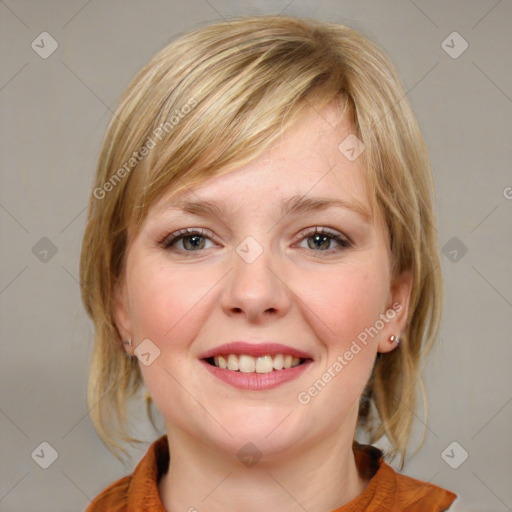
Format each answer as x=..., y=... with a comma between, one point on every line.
x=257, y=381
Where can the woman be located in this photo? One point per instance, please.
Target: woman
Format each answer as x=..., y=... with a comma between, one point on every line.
x=261, y=255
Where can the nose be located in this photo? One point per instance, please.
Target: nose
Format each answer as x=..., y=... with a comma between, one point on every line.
x=255, y=290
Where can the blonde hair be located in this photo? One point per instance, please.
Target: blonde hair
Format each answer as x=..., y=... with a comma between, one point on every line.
x=245, y=81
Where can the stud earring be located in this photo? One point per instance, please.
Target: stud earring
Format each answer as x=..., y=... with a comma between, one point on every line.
x=394, y=339
x=128, y=342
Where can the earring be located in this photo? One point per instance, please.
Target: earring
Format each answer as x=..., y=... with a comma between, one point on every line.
x=128, y=342
x=394, y=339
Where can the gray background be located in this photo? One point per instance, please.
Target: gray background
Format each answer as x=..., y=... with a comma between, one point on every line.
x=54, y=114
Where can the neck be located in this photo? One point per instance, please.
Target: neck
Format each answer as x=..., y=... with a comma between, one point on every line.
x=319, y=477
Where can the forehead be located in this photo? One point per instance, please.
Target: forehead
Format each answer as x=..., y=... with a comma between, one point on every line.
x=305, y=161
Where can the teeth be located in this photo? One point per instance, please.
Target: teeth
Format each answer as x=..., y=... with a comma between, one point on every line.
x=220, y=362
x=278, y=362
x=233, y=362
x=262, y=364
x=246, y=364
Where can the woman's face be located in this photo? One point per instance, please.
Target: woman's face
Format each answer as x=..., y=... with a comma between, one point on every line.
x=256, y=272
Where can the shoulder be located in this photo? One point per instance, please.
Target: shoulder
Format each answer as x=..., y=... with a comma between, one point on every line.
x=138, y=491
x=388, y=490
x=112, y=499
x=424, y=496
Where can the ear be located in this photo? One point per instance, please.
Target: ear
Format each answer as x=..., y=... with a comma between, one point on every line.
x=396, y=311
x=121, y=315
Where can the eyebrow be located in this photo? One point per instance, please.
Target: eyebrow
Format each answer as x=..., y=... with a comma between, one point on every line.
x=300, y=204
x=293, y=205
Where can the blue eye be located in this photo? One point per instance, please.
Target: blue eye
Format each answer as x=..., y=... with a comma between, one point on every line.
x=192, y=240
x=195, y=240
x=322, y=239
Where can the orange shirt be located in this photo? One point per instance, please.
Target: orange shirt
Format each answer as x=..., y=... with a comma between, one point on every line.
x=387, y=491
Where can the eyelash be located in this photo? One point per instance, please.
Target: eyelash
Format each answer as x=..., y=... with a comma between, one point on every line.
x=169, y=241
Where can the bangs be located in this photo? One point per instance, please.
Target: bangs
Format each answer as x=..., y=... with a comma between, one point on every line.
x=223, y=108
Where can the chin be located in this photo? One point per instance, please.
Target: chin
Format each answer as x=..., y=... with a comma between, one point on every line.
x=272, y=431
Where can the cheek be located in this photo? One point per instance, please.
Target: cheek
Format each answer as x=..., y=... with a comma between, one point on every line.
x=340, y=305
x=166, y=303
x=344, y=301
x=169, y=306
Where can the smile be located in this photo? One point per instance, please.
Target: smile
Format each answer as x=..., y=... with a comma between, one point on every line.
x=249, y=364
x=253, y=380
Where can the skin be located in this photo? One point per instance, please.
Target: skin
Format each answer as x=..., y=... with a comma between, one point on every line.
x=294, y=293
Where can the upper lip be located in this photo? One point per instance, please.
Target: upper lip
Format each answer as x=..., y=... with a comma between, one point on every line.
x=254, y=349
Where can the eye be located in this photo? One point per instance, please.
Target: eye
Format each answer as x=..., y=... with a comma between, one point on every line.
x=186, y=240
x=190, y=240
x=322, y=240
